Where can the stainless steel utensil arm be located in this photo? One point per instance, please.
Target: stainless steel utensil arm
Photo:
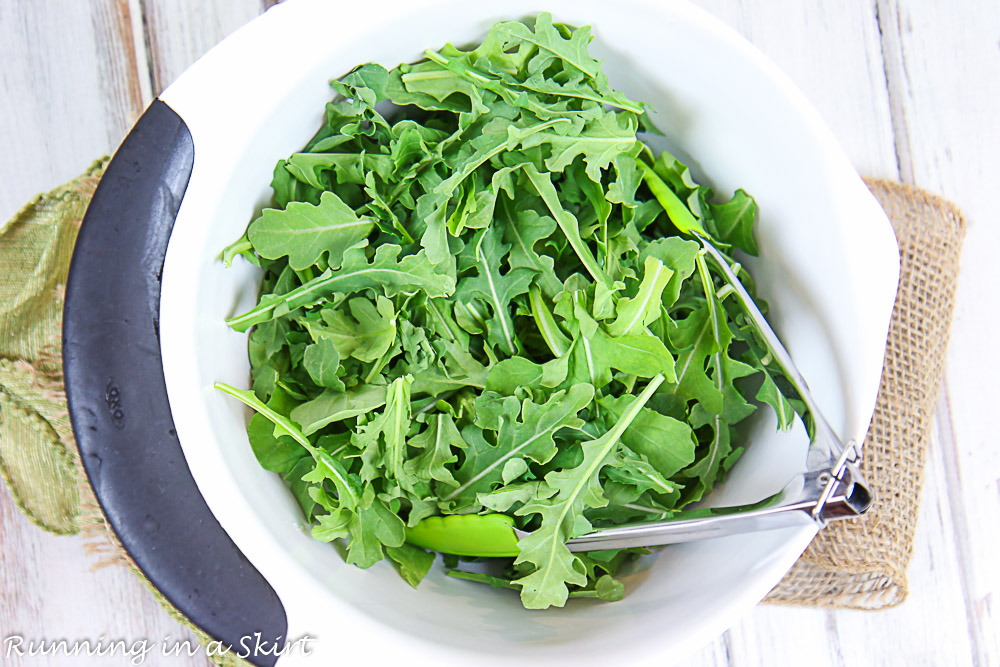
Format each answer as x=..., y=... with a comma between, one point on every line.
x=833, y=488
x=829, y=443
x=792, y=506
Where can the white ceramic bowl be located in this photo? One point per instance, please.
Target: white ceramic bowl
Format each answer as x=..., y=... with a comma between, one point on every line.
x=828, y=265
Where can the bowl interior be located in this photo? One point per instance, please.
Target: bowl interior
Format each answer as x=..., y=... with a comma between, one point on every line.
x=726, y=111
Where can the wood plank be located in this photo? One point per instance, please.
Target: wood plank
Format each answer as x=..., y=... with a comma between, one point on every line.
x=944, y=67
x=178, y=32
x=714, y=654
x=70, y=91
x=781, y=635
x=832, y=52
x=929, y=628
x=48, y=592
x=974, y=524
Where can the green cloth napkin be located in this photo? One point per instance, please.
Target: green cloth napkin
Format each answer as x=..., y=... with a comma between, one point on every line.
x=39, y=460
x=38, y=456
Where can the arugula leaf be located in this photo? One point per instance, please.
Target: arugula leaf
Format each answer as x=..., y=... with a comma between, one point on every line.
x=522, y=232
x=412, y=563
x=438, y=443
x=532, y=436
x=492, y=287
x=632, y=469
x=676, y=254
x=567, y=223
x=322, y=361
x=668, y=444
x=504, y=498
x=607, y=588
x=305, y=232
x=332, y=406
x=547, y=38
x=407, y=275
x=471, y=301
x=636, y=313
x=507, y=376
x=734, y=220
x=372, y=528
x=640, y=354
x=770, y=393
x=365, y=334
x=483, y=578
x=562, y=516
x=598, y=143
x=549, y=329
x=383, y=440
x=277, y=454
x=347, y=168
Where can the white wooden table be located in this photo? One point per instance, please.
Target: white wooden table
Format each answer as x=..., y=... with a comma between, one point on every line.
x=910, y=87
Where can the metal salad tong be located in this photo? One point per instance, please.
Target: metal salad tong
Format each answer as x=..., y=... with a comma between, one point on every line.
x=832, y=488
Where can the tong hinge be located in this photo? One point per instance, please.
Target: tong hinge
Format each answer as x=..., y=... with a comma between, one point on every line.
x=856, y=497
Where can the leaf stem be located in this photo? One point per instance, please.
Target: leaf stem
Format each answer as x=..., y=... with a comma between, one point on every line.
x=567, y=223
x=546, y=323
x=321, y=456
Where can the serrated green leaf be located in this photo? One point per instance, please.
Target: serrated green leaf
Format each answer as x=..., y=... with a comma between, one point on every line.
x=511, y=374
x=386, y=272
x=567, y=223
x=598, y=143
x=332, y=406
x=636, y=313
x=523, y=429
x=562, y=516
x=438, y=445
x=679, y=256
x=522, y=231
x=373, y=527
x=412, y=563
x=770, y=393
x=322, y=361
x=277, y=454
x=643, y=355
x=305, y=232
x=545, y=36
x=668, y=444
x=494, y=288
x=363, y=330
x=506, y=497
x=734, y=219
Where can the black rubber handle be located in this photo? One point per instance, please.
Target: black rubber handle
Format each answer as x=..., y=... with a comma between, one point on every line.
x=118, y=397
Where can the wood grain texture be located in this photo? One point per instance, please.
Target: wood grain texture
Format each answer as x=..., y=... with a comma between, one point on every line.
x=930, y=627
x=908, y=88
x=832, y=52
x=944, y=65
x=178, y=32
x=49, y=591
x=70, y=90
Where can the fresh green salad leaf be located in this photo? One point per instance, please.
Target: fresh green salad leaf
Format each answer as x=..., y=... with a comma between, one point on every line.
x=480, y=294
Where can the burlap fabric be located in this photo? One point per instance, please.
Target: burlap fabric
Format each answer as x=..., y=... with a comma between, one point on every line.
x=862, y=564
x=859, y=564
